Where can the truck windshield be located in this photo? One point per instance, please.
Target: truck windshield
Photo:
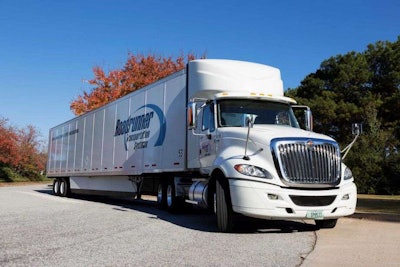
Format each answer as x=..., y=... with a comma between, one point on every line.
x=233, y=113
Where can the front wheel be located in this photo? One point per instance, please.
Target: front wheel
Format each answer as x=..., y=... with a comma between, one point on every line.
x=331, y=223
x=223, y=205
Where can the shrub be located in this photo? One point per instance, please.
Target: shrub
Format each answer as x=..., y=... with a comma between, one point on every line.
x=8, y=175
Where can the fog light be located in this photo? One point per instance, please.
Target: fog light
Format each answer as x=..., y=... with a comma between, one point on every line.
x=346, y=197
x=273, y=196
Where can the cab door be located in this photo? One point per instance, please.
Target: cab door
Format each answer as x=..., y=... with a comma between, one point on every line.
x=207, y=138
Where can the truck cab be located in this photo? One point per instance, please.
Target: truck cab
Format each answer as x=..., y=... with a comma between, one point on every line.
x=260, y=163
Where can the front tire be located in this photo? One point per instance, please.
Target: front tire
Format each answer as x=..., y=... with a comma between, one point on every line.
x=223, y=206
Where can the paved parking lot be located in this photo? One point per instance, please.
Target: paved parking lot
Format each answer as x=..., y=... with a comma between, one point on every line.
x=39, y=229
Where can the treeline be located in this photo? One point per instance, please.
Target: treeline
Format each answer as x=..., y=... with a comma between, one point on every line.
x=22, y=154
x=361, y=87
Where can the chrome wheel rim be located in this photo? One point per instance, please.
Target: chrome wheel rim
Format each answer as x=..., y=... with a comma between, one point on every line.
x=169, y=196
x=159, y=194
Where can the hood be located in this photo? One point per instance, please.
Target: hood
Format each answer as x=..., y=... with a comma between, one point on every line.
x=265, y=133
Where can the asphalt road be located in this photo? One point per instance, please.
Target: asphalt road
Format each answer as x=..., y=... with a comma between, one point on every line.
x=39, y=229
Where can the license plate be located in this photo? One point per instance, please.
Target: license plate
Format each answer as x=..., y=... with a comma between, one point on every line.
x=315, y=214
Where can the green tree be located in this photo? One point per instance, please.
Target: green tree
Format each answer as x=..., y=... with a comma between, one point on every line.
x=360, y=87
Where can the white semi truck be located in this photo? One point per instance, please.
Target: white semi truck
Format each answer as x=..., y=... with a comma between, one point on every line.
x=219, y=134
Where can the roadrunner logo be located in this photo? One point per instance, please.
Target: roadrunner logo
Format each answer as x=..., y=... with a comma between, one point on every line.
x=140, y=129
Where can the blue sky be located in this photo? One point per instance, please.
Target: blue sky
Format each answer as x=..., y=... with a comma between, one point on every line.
x=48, y=48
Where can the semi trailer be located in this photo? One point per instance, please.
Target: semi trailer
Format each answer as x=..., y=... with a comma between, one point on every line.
x=219, y=134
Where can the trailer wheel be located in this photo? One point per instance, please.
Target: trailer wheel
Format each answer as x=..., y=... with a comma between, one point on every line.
x=331, y=223
x=174, y=203
x=64, y=187
x=223, y=205
x=56, y=187
x=162, y=195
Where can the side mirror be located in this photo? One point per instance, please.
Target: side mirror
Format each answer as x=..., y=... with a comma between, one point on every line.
x=191, y=115
x=308, y=118
x=250, y=119
x=356, y=128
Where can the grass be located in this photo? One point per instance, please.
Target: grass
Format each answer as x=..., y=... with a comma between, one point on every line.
x=378, y=204
x=4, y=183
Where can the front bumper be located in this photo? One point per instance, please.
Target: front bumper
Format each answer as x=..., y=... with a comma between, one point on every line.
x=267, y=201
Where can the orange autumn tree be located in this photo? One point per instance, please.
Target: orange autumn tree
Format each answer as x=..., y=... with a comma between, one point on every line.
x=9, y=155
x=21, y=153
x=138, y=71
x=32, y=158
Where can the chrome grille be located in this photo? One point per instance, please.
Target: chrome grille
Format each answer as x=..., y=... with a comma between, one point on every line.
x=307, y=162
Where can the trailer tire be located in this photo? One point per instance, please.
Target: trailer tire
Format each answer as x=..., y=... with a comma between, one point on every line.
x=56, y=187
x=162, y=195
x=223, y=205
x=64, y=187
x=174, y=203
x=326, y=224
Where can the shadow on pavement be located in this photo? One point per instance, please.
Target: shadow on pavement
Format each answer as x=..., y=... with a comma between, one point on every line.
x=196, y=218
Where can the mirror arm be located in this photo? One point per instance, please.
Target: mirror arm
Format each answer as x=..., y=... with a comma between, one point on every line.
x=250, y=122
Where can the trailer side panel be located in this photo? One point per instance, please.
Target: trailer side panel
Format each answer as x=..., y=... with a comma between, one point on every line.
x=143, y=132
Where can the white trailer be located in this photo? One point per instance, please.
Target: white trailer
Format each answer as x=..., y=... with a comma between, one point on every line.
x=219, y=134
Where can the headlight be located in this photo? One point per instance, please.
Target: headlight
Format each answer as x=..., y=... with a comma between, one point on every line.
x=347, y=173
x=251, y=170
